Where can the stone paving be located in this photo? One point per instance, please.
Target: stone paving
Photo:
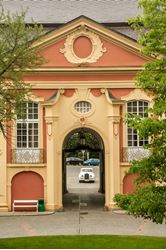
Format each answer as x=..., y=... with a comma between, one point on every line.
x=82, y=218
x=83, y=215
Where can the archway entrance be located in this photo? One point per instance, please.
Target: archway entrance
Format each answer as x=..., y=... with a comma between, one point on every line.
x=83, y=148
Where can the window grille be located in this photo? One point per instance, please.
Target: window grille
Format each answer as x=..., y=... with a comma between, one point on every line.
x=82, y=107
x=27, y=126
x=137, y=108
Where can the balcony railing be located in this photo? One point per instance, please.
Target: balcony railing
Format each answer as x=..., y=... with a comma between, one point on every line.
x=133, y=153
x=27, y=156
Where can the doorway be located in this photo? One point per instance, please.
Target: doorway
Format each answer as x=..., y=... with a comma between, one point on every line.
x=83, y=148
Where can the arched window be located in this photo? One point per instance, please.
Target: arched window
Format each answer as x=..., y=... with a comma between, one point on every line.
x=137, y=108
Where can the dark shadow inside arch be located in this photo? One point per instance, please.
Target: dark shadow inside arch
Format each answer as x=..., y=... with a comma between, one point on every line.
x=80, y=145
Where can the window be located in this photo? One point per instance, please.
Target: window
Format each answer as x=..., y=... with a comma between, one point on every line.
x=82, y=107
x=137, y=108
x=27, y=126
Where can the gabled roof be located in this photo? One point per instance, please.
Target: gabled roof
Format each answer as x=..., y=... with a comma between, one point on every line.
x=108, y=34
x=62, y=11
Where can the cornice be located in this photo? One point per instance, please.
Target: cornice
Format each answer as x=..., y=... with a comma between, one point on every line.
x=110, y=100
x=27, y=166
x=85, y=70
x=81, y=84
x=55, y=99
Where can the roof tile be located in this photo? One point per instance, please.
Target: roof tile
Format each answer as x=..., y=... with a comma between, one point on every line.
x=62, y=11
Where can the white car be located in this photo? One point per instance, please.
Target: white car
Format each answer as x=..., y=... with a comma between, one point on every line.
x=86, y=175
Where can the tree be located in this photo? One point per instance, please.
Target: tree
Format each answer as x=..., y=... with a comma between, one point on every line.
x=16, y=56
x=149, y=200
x=75, y=147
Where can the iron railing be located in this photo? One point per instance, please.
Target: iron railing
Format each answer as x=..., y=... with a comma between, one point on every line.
x=129, y=154
x=27, y=156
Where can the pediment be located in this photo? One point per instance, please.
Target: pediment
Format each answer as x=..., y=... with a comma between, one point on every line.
x=83, y=42
x=137, y=94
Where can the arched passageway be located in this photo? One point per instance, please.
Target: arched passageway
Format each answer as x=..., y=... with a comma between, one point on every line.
x=80, y=145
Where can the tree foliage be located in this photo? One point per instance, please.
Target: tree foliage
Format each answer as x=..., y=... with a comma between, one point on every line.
x=149, y=201
x=75, y=147
x=16, y=56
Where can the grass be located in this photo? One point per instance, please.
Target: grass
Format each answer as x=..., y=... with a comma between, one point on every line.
x=84, y=242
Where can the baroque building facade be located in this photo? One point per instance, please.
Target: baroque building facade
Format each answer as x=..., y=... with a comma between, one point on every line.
x=87, y=83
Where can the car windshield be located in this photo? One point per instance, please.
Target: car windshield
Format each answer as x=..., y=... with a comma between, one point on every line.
x=86, y=170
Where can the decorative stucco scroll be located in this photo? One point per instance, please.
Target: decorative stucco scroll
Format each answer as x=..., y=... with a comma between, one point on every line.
x=97, y=46
x=137, y=94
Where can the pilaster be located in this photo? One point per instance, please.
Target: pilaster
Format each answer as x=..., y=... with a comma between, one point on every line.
x=54, y=201
x=3, y=174
x=50, y=199
x=114, y=157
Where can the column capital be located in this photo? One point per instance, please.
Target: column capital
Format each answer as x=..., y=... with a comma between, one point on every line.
x=114, y=119
x=51, y=119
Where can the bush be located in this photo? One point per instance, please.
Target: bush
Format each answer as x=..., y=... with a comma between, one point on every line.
x=123, y=201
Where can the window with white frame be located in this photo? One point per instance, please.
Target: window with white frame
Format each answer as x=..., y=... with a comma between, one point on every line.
x=82, y=106
x=28, y=126
x=137, y=108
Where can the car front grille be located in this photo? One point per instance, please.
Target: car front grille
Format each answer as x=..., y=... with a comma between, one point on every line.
x=86, y=176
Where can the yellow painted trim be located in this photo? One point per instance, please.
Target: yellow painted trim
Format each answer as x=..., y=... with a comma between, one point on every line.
x=80, y=84
x=125, y=164
x=27, y=166
x=85, y=70
x=35, y=98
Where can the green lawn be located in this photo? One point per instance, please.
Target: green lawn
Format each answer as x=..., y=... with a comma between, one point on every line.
x=89, y=241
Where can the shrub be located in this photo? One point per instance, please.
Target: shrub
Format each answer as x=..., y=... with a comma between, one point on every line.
x=123, y=201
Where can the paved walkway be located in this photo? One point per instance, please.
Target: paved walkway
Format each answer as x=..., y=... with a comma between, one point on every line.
x=77, y=219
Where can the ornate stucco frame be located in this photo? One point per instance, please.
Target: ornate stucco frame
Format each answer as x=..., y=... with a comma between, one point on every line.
x=97, y=46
